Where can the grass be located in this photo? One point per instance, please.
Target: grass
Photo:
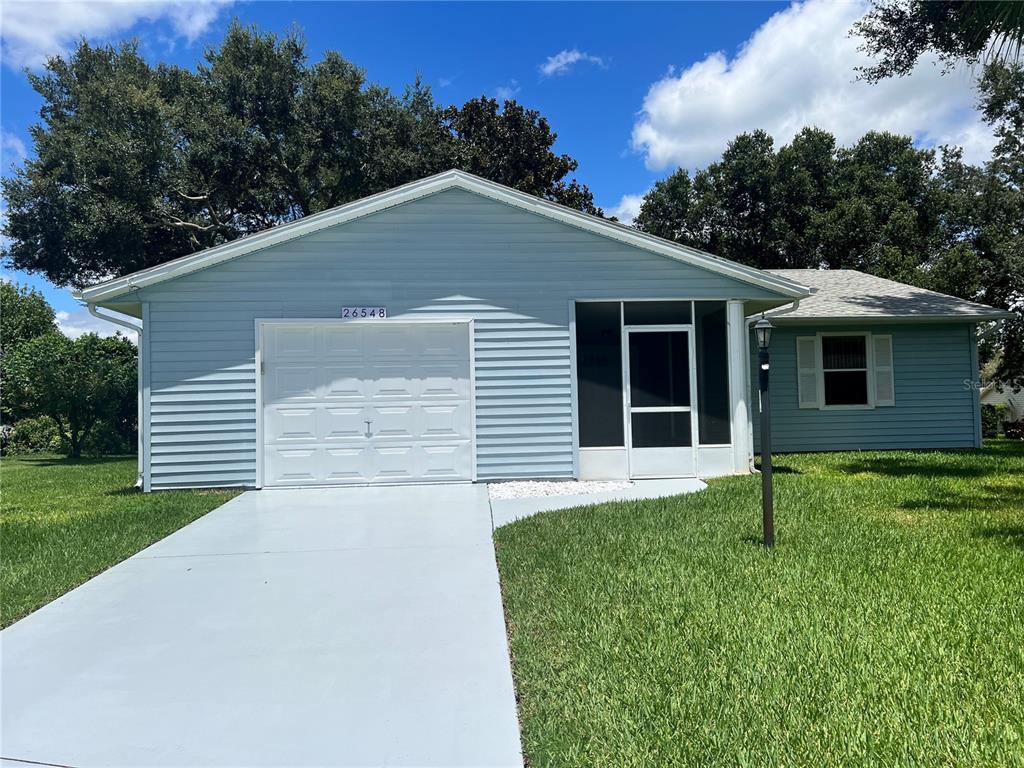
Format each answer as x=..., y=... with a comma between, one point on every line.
x=62, y=521
x=885, y=629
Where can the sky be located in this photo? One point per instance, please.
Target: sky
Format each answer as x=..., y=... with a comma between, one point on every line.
x=633, y=90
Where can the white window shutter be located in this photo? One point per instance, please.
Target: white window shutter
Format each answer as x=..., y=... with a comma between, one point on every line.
x=807, y=371
x=885, y=389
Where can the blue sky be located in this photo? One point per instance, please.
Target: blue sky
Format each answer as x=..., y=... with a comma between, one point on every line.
x=633, y=90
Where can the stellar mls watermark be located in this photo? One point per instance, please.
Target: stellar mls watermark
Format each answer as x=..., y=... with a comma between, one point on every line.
x=969, y=384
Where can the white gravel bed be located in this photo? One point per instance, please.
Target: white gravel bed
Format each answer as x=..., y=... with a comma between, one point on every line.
x=529, y=489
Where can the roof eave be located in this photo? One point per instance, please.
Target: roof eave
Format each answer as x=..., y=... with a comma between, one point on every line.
x=922, y=318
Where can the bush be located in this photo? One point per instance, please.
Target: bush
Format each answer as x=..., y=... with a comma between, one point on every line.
x=108, y=438
x=992, y=416
x=1014, y=430
x=79, y=383
x=39, y=435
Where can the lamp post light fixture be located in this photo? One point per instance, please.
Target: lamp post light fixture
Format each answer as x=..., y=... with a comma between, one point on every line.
x=763, y=329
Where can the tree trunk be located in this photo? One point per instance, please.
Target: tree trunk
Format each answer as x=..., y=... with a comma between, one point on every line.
x=76, y=445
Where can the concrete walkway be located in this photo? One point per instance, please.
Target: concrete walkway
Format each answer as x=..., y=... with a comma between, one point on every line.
x=505, y=511
x=348, y=627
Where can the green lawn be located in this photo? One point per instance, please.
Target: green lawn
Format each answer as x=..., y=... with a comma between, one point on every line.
x=63, y=521
x=885, y=629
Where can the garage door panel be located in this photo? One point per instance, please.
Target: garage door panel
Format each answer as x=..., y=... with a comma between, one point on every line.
x=444, y=421
x=393, y=380
x=442, y=341
x=325, y=381
x=343, y=343
x=444, y=382
x=346, y=465
x=291, y=425
x=394, y=343
x=344, y=382
x=394, y=463
x=342, y=424
x=391, y=422
x=292, y=341
x=294, y=382
x=445, y=461
x=292, y=466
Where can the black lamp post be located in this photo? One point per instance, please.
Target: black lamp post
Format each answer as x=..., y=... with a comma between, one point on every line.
x=763, y=329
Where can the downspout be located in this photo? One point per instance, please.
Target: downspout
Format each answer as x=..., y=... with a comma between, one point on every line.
x=746, y=351
x=115, y=320
x=94, y=311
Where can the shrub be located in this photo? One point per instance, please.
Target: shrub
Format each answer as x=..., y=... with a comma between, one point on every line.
x=992, y=416
x=1014, y=430
x=38, y=435
x=78, y=383
x=108, y=438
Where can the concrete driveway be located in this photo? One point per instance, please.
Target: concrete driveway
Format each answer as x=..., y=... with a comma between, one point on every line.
x=357, y=626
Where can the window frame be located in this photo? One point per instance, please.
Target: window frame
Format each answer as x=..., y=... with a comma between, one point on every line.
x=869, y=371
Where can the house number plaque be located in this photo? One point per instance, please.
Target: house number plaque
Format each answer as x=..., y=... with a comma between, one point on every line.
x=369, y=313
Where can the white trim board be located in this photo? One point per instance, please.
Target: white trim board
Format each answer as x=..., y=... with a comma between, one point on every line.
x=441, y=182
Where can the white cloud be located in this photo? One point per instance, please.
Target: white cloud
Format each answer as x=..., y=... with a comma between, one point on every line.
x=563, y=61
x=507, y=91
x=444, y=82
x=627, y=208
x=35, y=30
x=799, y=69
x=12, y=150
x=79, y=322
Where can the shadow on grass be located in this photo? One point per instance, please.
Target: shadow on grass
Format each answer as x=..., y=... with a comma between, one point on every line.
x=780, y=469
x=67, y=461
x=1012, y=535
x=126, y=491
x=901, y=467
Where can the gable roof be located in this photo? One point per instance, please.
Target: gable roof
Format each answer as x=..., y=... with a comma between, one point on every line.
x=184, y=265
x=846, y=294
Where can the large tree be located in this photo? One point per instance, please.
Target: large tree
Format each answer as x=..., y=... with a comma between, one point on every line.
x=882, y=206
x=898, y=32
x=810, y=204
x=77, y=383
x=24, y=315
x=136, y=164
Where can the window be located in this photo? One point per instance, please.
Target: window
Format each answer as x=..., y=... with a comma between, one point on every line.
x=713, y=425
x=844, y=363
x=599, y=374
x=845, y=370
x=657, y=313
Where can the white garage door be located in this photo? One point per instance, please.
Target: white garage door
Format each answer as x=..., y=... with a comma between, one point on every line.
x=355, y=403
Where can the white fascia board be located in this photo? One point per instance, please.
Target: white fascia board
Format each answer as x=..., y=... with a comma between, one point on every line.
x=981, y=317
x=422, y=188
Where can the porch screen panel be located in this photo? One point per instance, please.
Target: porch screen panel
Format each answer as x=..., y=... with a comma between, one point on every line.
x=599, y=374
x=713, y=422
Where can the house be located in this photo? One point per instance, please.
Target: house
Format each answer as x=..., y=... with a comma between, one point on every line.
x=453, y=329
x=869, y=363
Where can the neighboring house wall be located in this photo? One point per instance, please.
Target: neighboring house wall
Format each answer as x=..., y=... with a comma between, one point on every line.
x=936, y=404
x=451, y=254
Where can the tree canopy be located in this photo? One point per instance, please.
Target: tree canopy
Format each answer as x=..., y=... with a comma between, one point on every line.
x=881, y=205
x=896, y=33
x=137, y=164
x=76, y=382
x=24, y=315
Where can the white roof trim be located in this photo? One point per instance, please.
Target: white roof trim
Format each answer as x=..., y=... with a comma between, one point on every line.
x=184, y=265
x=979, y=317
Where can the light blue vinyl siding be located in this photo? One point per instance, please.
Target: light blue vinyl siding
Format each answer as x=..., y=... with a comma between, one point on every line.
x=934, y=407
x=454, y=253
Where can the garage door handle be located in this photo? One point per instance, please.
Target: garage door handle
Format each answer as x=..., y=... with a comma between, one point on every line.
x=368, y=433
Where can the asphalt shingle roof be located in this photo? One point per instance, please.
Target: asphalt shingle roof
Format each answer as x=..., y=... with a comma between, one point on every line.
x=847, y=293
